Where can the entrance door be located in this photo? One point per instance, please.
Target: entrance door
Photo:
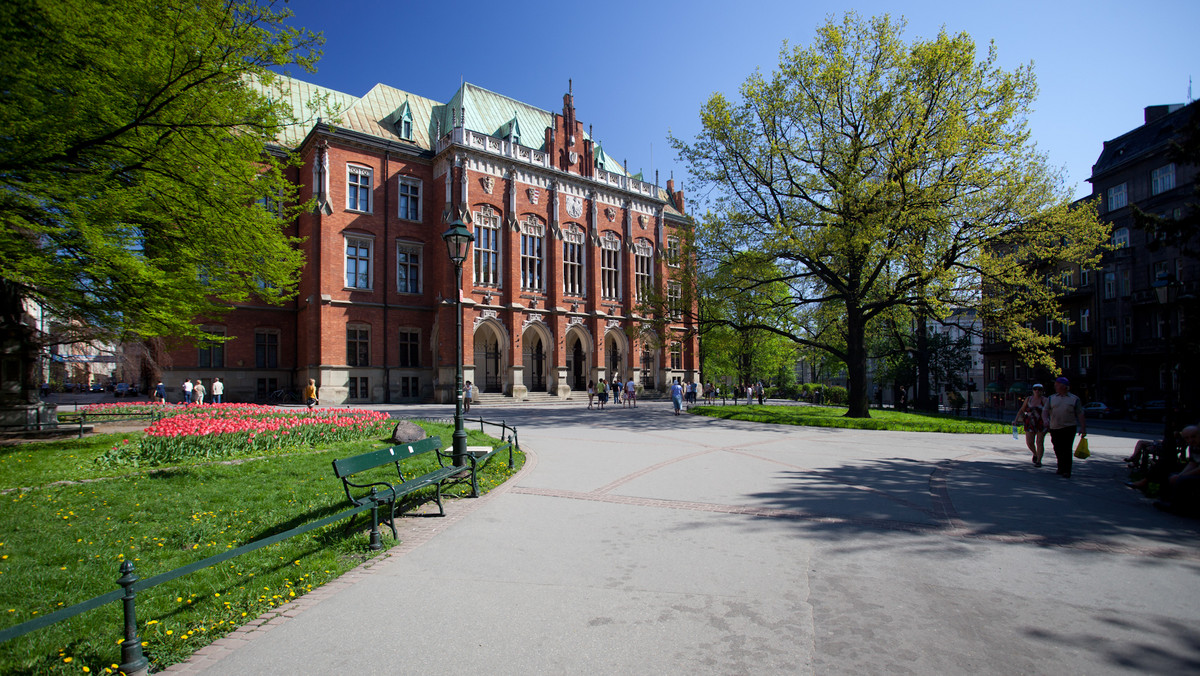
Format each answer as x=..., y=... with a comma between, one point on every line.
x=537, y=366
x=578, y=366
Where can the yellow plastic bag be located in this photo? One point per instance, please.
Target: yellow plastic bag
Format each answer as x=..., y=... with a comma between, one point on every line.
x=1081, y=451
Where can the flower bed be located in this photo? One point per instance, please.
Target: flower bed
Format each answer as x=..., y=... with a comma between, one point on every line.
x=227, y=430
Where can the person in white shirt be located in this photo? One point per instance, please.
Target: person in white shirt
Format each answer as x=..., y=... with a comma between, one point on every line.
x=1063, y=415
x=187, y=392
x=218, y=389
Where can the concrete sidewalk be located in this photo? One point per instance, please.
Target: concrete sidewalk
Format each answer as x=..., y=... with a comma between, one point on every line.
x=635, y=541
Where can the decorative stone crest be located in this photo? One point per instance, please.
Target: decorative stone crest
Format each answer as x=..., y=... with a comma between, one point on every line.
x=574, y=207
x=613, y=324
x=534, y=194
x=487, y=299
x=531, y=320
x=532, y=225
x=610, y=213
x=484, y=316
x=573, y=157
x=489, y=184
x=642, y=221
x=575, y=321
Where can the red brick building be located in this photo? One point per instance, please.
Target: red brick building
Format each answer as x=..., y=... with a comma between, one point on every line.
x=567, y=247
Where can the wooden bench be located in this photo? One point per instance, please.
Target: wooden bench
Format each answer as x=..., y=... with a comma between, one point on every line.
x=385, y=494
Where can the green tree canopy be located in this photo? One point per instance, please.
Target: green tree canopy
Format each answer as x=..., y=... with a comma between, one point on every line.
x=137, y=162
x=878, y=174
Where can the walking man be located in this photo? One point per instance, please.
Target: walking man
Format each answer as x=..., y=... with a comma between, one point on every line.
x=1062, y=414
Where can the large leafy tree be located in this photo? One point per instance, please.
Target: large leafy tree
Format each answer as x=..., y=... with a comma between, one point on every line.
x=136, y=157
x=879, y=174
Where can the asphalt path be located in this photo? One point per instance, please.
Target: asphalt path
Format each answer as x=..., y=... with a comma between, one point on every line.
x=637, y=541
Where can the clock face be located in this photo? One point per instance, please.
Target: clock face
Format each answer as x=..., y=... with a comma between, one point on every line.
x=574, y=207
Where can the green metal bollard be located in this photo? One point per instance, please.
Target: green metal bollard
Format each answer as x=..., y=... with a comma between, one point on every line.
x=133, y=662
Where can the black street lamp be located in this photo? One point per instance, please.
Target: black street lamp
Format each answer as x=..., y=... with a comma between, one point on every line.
x=1165, y=287
x=458, y=240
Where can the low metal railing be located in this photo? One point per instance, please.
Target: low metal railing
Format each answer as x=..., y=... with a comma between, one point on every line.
x=133, y=661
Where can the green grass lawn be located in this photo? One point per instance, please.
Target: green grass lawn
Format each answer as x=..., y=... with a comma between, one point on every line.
x=834, y=416
x=63, y=544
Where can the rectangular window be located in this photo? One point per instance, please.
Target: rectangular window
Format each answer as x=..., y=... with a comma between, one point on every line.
x=1085, y=320
x=410, y=349
x=358, y=263
x=1126, y=286
x=1085, y=357
x=673, y=252
x=1066, y=362
x=643, y=275
x=359, y=389
x=676, y=356
x=212, y=355
x=487, y=247
x=1066, y=278
x=1162, y=179
x=1110, y=285
x=410, y=199
x=358, y=188
x=266, y=349
x=408, y=268
x=265, y=386
x=1159, y=268
x=358, y=346
x=410, y=387
x=675, y=299
x=1117, y=197
x=1127, y=323
x=610, y=266
x=531, y=260
x=1085, y=278
x=1110, y=331
x=573, y=264
x=1120, y=238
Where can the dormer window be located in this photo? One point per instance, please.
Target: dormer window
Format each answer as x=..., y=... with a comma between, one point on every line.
x=404, y=123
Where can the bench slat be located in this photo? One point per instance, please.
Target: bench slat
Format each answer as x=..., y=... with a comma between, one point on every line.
x=345, y=467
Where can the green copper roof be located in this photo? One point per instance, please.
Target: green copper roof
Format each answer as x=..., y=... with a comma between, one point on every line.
x=379, y=112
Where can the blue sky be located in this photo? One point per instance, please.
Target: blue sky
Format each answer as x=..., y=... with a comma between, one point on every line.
x=642, y=70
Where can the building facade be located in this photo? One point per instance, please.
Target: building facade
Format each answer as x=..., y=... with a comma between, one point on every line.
x=569, y=251
x=1115, y=349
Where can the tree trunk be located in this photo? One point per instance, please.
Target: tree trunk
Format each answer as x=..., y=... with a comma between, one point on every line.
x=856, y=366
x=924, y=401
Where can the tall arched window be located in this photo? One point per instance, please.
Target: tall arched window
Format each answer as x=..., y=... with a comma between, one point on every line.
x=487, y=246
x=573, y=238
x=533, y=237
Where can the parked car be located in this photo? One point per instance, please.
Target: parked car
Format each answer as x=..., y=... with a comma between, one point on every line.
x=97, y=387
x=1151, y=411
x=1097, y=409
x=121, y=390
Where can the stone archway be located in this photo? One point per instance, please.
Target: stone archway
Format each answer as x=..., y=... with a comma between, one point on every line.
x=489, y=357
x=579, y=358
x=537, y=346
x=616, y=354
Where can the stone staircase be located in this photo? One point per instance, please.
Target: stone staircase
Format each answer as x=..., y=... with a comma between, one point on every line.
x=490, y=399
x=494, y=399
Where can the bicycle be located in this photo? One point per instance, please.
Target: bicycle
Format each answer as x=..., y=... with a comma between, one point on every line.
x=282, y=397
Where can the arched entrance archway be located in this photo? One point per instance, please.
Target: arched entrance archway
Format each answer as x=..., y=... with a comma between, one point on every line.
x=535, y=358
x=489, y=358
x=616, y=357
x=579, y=357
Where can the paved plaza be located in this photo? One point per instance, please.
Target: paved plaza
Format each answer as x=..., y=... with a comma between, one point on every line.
x=635, y=541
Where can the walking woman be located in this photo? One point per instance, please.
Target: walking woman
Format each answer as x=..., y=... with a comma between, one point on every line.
x=1035, y=427
x=591, y=393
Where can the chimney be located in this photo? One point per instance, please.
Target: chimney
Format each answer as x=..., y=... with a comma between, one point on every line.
x=1158, y=112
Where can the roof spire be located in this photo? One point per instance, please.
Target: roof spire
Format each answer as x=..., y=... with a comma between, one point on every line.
x=570, y=87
